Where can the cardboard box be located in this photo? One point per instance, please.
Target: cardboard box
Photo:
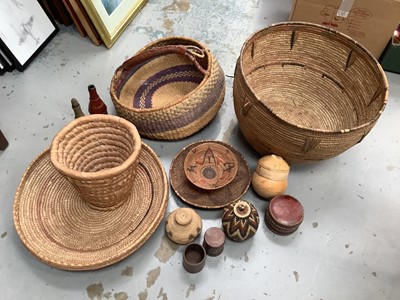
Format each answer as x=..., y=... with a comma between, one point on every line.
x=369, y=22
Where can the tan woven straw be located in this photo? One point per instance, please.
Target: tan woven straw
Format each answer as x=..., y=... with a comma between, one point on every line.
x=99, y=155
x=68, y=232
x=208, y=199
x=306, y=92
x=170, y=89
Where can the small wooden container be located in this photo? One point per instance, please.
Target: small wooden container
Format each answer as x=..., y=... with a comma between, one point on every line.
x=214, y=241
x=194, y=258
x=284, y=215
x=271, y=176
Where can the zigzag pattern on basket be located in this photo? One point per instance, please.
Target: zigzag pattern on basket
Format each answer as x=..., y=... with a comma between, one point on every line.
x=180, y=73
x=237, y=227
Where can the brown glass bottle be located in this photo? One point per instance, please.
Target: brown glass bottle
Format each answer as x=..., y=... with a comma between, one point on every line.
x=96, y=105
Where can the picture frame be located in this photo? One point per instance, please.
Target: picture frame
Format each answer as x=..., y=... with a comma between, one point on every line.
x=111, y=17
x=25, y=29
x=6, y=63
x=3, y=67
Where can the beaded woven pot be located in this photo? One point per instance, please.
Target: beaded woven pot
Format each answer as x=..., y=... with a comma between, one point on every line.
x=170, y=89
x=240, y=220
x=306, y=92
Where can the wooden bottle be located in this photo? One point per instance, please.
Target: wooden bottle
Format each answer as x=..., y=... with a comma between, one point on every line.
x=77, y=108
x=96, y=105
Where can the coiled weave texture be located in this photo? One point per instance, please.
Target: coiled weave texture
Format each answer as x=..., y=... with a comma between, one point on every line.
x=175, y=100
x=305, y=92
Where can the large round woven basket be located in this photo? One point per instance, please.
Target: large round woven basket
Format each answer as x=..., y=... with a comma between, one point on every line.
x=170, y=89
x=306, y=92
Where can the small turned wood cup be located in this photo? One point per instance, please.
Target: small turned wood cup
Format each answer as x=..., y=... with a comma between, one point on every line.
x=194, y=258
x=214, y=241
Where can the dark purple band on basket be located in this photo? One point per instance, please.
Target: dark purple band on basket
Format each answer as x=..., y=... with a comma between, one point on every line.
x=125, y=76
x=209, y=97
x=181, y=73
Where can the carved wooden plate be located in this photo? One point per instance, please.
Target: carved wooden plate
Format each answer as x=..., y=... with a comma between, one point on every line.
x=210, y=166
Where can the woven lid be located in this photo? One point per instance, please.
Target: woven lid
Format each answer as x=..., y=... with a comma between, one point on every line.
x=65, y=232
x=183, y=225
x=209, y=199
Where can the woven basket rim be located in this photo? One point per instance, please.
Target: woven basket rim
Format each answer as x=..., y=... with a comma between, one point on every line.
x=169, y=105
x=101, y=173
x=326, y=29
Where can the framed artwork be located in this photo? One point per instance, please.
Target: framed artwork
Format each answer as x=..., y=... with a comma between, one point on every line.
x=110, y=17
x=25, y=28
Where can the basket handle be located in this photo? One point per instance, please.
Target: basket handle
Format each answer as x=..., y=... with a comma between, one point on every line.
x=190, y=52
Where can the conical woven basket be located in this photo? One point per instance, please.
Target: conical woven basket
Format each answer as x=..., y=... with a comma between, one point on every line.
x=170, y=89
x=306, y=92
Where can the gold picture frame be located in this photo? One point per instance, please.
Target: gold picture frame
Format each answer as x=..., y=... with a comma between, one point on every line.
x=111, y=17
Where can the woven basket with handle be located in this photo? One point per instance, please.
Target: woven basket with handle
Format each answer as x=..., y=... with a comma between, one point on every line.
x=170, y=89
x=306, y=92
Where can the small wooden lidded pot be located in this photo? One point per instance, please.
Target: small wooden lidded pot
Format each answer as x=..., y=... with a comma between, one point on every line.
x=214, y=241
x=183, y=225
x=284, y=215
x=271, y=176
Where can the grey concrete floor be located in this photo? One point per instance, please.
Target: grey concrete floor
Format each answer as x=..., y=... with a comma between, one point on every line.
x=348, y=246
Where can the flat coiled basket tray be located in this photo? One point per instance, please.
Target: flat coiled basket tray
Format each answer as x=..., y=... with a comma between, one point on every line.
x=170, y=89
x=305, y=92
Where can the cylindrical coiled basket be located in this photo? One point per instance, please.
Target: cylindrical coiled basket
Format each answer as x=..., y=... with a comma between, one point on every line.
x=305, y=92
x=170, y=89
